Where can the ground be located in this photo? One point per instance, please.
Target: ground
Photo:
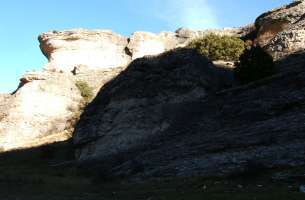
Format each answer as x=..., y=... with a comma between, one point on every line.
x=44, y=173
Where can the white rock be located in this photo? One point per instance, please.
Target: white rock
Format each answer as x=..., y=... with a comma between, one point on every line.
x=93, y=48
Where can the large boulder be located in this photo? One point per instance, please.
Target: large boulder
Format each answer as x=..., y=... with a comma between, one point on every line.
x=273, y=22
x=41, y=111
x=288, y=42
x=97, y=49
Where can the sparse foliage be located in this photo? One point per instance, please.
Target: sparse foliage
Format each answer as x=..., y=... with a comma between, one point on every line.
x=85, y=90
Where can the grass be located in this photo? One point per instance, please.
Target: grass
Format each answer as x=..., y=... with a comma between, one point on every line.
x=33, y=175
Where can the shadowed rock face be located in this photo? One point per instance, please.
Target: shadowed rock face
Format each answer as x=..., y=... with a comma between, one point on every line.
x=129, y=110
x=156, y=119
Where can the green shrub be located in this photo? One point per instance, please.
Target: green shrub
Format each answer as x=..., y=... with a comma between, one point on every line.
x=254, y=64
x=217, y=47
x=85, y=90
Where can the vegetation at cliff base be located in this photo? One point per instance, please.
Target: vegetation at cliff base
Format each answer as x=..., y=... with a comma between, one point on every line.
x=254, y=64
x=85, y=90
x=216, y=47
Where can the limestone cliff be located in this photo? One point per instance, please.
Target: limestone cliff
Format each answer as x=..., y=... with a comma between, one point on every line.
x=159, y=110
x=46, y=104
x=102, y=49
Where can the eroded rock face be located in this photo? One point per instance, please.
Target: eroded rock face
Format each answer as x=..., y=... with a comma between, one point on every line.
x=134, y=108
x=40, y=112
x=101, y=49
x=145, y=43
x=156, y=120
x=46, y=106
x=47, y=103
x=96, y=49
x=287, y=42
x=273, y=22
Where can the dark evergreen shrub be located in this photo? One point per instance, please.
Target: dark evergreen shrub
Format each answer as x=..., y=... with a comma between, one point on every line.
x=217, y=47
x=254, y=64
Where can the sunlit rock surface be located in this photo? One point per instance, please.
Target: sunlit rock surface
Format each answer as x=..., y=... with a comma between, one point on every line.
x=102, y=49
x=94, y=48
x=277, y=20
x=40, y=112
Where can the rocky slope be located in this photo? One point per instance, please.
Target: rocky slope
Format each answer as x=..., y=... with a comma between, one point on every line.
x=171, y=123
x=163, y=116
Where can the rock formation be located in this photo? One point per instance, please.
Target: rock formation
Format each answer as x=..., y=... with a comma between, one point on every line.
x=281, y=31
x=275, y=21
x=40, y=111
x=95, y=49
x=102, y=49
x=290, y=40
x=46, y=104
x=159, y=110
x=129, y=111
x=163, y=116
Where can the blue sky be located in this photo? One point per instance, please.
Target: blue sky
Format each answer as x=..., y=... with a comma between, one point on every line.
x=23, y=20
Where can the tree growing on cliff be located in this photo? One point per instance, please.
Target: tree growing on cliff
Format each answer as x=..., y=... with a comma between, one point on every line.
x=216, y=47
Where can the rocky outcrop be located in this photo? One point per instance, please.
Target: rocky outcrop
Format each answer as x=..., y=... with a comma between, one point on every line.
x=161, y=117
x=287, y=42
x=131, y=110
x=144, y=43
x=102, y=49
x=40, y=112
x=46, y=104
x=273, y=22
x=96, y=49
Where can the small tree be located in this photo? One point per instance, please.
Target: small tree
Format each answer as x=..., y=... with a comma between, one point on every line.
x=254, y=64
x=85, y=90
x=217, y=47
